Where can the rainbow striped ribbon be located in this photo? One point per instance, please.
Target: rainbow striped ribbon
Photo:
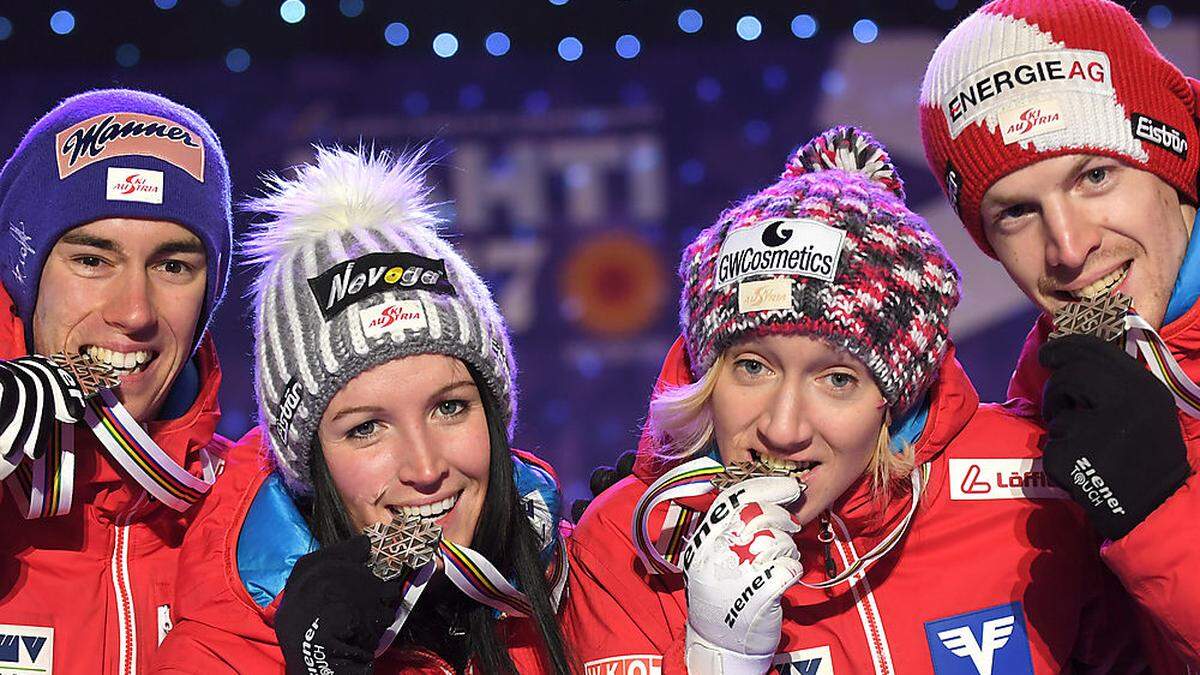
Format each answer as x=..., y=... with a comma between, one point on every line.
x=694, y=478
x=45, y=487
x=478, y=578
x=1141, y=339
x=690, y=479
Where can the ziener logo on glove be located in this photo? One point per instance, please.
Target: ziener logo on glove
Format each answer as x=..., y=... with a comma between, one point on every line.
x=719, y=513
x=1094, y=487
x=315, y=660
x=738, y=605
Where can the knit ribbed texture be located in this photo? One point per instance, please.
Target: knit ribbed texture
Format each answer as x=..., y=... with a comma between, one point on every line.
x=345, y=206
x=893, y=288
x=1019, y=81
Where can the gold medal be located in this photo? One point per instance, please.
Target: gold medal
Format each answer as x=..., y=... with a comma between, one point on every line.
x=92, y=377
x=1102, y=317
x=405, y=543
x=763, y=465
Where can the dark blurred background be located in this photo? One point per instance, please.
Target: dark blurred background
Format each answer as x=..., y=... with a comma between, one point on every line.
x=581, y=144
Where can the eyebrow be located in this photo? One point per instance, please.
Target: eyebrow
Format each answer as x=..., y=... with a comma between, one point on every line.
x=190, y=245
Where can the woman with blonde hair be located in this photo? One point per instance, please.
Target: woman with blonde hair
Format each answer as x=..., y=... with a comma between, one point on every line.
x=818, y=489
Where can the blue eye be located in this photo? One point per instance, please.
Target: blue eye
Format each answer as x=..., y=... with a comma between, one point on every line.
x=842, y=380
x=451, y=408
x=364, y=430
x=750, y=366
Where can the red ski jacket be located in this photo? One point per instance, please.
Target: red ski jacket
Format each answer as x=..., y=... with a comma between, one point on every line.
x=238, y=556
x=93, y=591
x=991, y=546
x=1156, y=559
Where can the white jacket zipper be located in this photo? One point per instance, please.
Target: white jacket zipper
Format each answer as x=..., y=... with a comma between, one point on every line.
x=864, y=601
x=126, y=611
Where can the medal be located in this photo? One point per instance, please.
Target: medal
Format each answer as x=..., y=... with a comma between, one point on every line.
x=408, y=542
x=763, y=465
x=92, y=377
x=1102, y=317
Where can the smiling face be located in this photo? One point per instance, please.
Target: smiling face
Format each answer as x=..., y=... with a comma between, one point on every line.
x=129, y=293
x=419, y=448
x=1082, y=225
x=798, y=398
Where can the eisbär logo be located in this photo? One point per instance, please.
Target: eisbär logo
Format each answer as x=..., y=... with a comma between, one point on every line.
x=1017, y=79
x=1027, y=121
x=120, y=134
x=1159, y=133
x=795, y=246
x=134, y=185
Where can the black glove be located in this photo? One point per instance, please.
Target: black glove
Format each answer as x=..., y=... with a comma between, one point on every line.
x=335, y=611
x=604, y=477
x=1113, y=439
x=34, y=392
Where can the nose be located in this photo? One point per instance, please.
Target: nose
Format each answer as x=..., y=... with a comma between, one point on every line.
x=421, y=465
x=130, y=307
x=1070, y=237
x=784, y=427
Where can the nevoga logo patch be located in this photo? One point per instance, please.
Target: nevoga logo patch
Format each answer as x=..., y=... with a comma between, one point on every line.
x=1161, y=134
x=795, y=246
x=348, y=282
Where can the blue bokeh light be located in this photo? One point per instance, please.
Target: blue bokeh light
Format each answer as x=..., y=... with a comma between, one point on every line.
x=6, y=28
x=804, y=26
x=537, y=102
x=497, y=44
x=559, y=3
x=749, y=27
x=62, y=22
x=445, y=45
x=708, y=89
x=128, y=55
x=946, y=5
x=691, y=172
x=470, y=97
x=415, y=103
x=237, y=60
x=350, y=8
x=166, y=4
x=570, y=48
x=690, y=21
x=292, y=11
x=396, y=34
x=1159, y=16
x=833, y=82
x=774, y=78
x=757, y=132
x=865, y=31
x=628, y=46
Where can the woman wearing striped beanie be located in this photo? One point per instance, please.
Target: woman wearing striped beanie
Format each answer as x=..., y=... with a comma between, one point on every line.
x=393, y=528
x=818, y=489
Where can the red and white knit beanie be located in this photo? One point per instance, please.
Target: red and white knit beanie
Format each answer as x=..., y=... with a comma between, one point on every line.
x=1020, y=81
x=829, y=251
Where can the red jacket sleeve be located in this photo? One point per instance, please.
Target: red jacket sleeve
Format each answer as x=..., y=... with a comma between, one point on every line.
x=617, y=615
x=1157, y=562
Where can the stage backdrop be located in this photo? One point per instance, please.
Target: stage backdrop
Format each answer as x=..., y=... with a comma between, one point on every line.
x=574, y=186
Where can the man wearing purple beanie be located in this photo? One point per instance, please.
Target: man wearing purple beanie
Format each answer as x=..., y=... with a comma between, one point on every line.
x=114, y=253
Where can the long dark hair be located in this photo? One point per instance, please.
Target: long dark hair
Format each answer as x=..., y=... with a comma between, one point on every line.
x=503, y=534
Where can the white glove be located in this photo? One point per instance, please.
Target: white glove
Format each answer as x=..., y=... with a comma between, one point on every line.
x=34, y=392
x=738, y=564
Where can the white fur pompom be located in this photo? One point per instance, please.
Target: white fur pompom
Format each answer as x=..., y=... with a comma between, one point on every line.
x=342, y=189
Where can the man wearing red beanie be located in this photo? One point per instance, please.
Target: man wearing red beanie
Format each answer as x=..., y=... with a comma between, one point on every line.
x=1069, y=148
x=114, y=253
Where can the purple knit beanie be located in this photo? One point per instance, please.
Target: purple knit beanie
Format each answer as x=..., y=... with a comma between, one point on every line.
x=829, y=250
x=113, y=153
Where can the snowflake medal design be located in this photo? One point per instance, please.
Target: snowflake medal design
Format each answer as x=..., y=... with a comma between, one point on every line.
x=763, y=465
x=406, y=543
x=1102, y=317
x=92, y=377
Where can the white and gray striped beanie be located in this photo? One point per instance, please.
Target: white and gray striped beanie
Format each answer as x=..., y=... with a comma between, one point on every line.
x=353, y=274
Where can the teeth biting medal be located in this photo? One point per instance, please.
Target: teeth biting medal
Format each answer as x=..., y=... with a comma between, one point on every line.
x=93, y=377
x=760, y=465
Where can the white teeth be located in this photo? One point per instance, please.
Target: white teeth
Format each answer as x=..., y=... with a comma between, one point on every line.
x=430, y=511
x=128, y=361
x=1103, y=285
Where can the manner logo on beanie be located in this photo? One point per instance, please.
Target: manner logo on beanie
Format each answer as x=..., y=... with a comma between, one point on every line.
x=121, y=133
x=1020, y=81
